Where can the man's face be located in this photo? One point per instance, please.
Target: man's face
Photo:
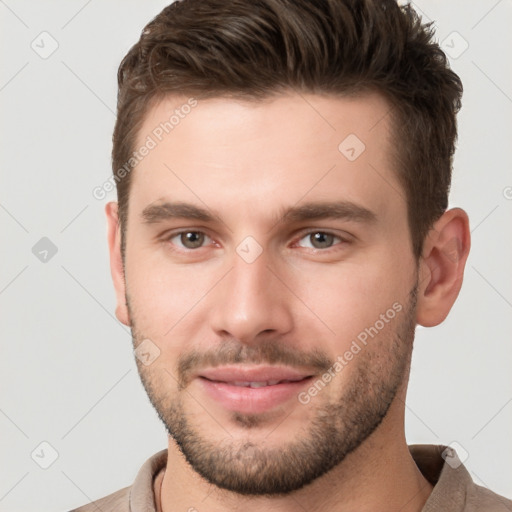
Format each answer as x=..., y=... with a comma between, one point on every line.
x=264, y=244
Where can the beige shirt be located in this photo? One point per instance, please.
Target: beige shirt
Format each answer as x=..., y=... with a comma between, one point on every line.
x=454, y=490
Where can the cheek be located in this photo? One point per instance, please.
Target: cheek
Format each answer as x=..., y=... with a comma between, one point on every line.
x=162, y=294
x=347, y=299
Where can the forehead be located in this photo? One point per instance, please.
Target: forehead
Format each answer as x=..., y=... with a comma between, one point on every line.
x=266, y=154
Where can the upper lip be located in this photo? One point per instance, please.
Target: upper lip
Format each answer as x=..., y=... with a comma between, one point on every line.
x=253, y=373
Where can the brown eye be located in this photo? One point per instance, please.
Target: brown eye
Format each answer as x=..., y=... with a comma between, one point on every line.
x=189, y=239
x=192, y=239
x=319, y=240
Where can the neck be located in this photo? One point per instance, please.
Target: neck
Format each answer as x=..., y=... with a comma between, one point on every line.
x=379, y=475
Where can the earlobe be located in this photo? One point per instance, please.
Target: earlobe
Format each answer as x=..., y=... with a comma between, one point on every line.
x=442, y=264
x=116, y=262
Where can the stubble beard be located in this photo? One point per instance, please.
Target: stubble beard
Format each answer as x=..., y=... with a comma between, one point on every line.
x=339, y=426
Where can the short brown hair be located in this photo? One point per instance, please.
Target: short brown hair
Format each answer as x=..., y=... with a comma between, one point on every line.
x=255, y=49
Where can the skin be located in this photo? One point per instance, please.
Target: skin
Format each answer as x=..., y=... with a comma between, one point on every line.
x=247, y=163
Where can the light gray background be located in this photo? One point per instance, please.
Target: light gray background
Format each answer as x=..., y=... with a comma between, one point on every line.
x=66, y=367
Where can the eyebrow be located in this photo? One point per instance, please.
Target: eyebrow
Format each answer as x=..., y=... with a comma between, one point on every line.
x=342, y=210
x=166, y=211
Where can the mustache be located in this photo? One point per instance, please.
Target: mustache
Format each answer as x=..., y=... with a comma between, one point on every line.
x=229, y=353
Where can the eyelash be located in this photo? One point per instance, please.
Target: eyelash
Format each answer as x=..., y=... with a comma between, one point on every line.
x=341, y=240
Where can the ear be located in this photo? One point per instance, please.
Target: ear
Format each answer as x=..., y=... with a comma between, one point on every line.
x=442, y=263
x=116, y=261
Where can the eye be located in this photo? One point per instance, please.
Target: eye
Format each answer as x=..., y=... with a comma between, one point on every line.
x=319, y=240
x=189, y=239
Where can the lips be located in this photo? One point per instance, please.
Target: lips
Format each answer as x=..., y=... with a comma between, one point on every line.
x=252, y=390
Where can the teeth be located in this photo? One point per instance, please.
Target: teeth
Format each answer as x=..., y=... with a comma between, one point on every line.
x=259, y=384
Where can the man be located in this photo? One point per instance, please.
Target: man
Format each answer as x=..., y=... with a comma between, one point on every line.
x=281, y=228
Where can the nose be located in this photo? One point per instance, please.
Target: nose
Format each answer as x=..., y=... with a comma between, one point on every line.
x=251, y=302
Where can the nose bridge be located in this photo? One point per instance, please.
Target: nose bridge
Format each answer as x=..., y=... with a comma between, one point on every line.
x=251, y=300
x=252, y=279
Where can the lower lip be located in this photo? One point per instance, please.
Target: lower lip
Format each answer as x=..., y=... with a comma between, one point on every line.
x=252, y=400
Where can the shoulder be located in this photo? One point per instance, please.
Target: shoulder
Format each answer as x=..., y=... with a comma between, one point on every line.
x=139, y=496
x=480, y=498
x=118, y=501
x=454, y=489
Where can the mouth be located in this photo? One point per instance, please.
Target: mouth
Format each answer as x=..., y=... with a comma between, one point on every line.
x=253, y=390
